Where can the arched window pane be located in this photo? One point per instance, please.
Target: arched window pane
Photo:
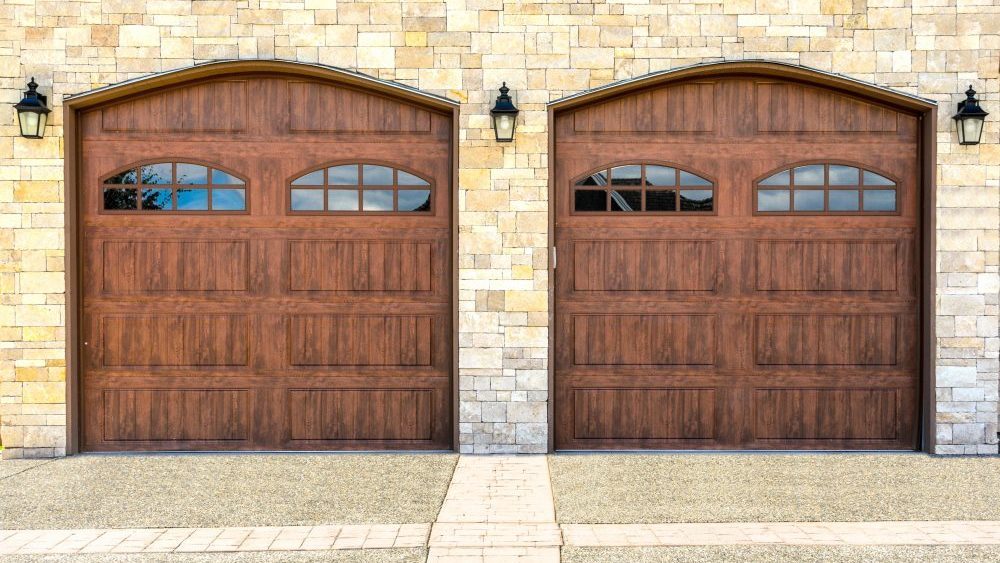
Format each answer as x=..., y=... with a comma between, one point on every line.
x=374, y=175
x=192, y=173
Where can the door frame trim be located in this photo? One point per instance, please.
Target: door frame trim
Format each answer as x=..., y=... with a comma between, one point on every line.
x=75, y=104
x=924, y=109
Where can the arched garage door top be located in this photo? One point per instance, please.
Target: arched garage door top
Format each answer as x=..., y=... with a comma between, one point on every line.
x=221, y=68
x=776, y=69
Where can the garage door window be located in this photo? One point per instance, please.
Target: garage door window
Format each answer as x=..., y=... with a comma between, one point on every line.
x=826, y=189
x=174, y=187
x=643, y=188
x=359, y=188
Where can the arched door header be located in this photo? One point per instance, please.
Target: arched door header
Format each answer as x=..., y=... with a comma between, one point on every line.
x=221, y=68
x=775, y=69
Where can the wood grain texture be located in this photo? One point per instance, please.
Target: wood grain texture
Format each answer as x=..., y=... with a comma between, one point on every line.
x=820, y=311
x=687, y=107
x=219, y=106
x=197, y=327
x=622, y=340
x=166, y=415
x=644, y=265
x=333, y=108
x=659, y=414
x=166, y=266
x=322, y=265
x=827, y=265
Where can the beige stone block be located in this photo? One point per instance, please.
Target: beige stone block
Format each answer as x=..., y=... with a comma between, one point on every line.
x=487, y=200
x=376, y=57
x=38, y=239
x=853, y=62
x=440, y=78
x=44, y=392
x=888, y=18
x=532, y=222
x=213, y=26
x=480, y=358
x=414, y=57
x=526, y=336
x=177, y=48
x=718, y=26
x=31, y=373
x=33, y=191
x=739, y=6
x=416, y=39
x=592, y=57
x=517, y=300
x=480, y=243
x=42, y=282
x=41, y=333
x=353, y=13
x=38, y=315
x=138, y=36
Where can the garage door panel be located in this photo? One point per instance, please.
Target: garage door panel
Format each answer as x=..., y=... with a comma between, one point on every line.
x=826, y=340
x=187, y=340
x=258, y=326
x=826, y=414
x=361, y=414
x=644, y=265
x=646, y=414
x=150, y=266
x=801, y=265
x=172, y=415
x=361, y=340
x=628, y=340
x=363, y=266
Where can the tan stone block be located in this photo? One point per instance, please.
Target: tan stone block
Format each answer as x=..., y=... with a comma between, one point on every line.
x=516, y=300
x=480, y=243
x=414, y=57
x=104, y=35
x=138, y=36
x=522, y=272
x=738, y=6
x=581, y=57
x=214, y=7
x=33, y=191
x=481, y=157
x=526, y=336
x=38, y=239
x=41, y=333
x=416, y=39
x=44, y=392
x=487, y=200
x=38, y=315
x=42, y=282
x=376, y=57
x=257, y=16
x=853, y=62
x=440, y=78
x=532, y=222
x=353, y=13
x=213, y=26
x=718, y=26
x=177, y=48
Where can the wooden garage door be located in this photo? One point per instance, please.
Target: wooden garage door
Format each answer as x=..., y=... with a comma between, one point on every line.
x=266, y=265
x=737, y=267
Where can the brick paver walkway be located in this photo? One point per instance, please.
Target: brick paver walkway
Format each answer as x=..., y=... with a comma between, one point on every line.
x=498, y=508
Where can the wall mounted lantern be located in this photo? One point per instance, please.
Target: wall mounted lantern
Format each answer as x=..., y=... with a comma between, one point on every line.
x=504, y=116
x=969, y=119
x=32, y=113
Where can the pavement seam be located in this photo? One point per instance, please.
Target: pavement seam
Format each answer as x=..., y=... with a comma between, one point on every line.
x=25, y=470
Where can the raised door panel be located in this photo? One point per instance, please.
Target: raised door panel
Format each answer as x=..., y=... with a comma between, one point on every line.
x=800, y=265
x=361, y=340
x=175, y=340
x=362, y=266
x=788, y=107
x=644, y=340
x=643, y=414
x=149, y=266
x=334, y=109
x=644, y=265
x=219, y=106
x=682, y=108
x=361, y=414
x=826, y=340
x=826, y=414
x=175, y=415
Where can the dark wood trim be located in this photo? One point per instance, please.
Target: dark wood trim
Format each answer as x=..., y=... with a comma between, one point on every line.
x=551, y=263
x=456, y=411
x=71, y=145
x=928, y=278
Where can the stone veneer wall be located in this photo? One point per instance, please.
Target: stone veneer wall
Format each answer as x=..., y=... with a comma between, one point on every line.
x=464, y=49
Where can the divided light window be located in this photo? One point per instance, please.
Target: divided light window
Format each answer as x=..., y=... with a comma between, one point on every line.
x=354, y=188
x=174, y=186
x=649, y=188
x=826, y=189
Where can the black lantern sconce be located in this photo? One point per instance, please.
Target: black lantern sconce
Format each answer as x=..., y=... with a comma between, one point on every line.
x=504, y=115
x=969, y=119
x=32, y=112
